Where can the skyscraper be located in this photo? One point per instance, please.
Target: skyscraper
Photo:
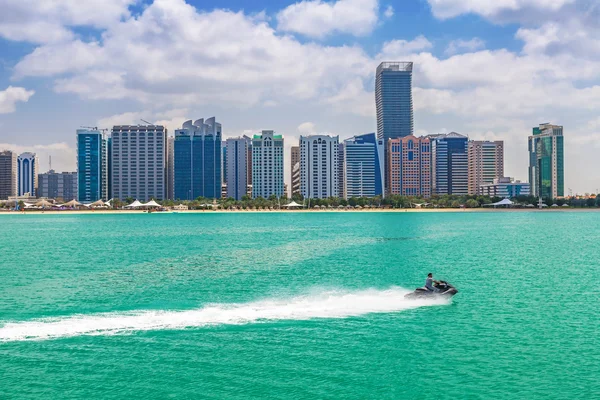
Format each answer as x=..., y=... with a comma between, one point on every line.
x=393, y=99
x=449, y=164
x=294, y=159
x=198, y=160
x=546, y=161
x=8, y=174
x=341, y=170
x=364, y=163
x=237, y=167
x=409, y=166
x=267, y=165
x=139, y=162
x=486, y=163
x=319, y=166
x=27, y=169
x=92, y=168
x=170, y=167
x=58, y=185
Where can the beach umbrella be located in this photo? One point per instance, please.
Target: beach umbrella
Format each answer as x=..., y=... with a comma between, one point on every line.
x=43, y=203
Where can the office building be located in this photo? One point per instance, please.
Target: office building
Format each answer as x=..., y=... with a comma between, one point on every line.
x=449, y=164
x=224, y=161
x=171, y=168
x=341, y=170
x=139, y=158
x=92, y=165
x=237, y=166
x=27, y=174
x=546, y=161
x=319, y=167
x=294, y=159
x=486, y=163
x=363, y=166
x=506, y=188
x=296, y=179
x=393, y=100
x=198, y=152
x=8, y=174
x=409, y=166
x=60, y=186
x=267, y=165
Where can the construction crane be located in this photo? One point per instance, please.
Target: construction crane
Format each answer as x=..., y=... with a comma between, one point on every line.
x=94, y=128
x=149, y=123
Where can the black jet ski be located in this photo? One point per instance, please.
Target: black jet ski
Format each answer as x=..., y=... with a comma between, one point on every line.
x=444, y=290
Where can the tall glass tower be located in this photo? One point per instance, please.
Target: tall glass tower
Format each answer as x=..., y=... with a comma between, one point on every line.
x=546, y=161
x=92, y=168
x=393, y=98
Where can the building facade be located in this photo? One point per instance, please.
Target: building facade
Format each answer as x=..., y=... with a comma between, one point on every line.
x=341, y=170
x=506, y=188
x=363, y=166
x=8, y=174
x=237, y=167
x=138, y=159
x=92, y=165
x=546, y=161
x=319, y=166
x=27, y=174
x=267, y=165
x=294, y=159
x=55, y=185
x=449, y=164
x=393, y=101
x=409, y=161
x=296, y=179
x=198, y=152
x=486, y=163
x=170, y=168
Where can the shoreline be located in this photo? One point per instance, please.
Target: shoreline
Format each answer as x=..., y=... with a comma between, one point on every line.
x=337, y=211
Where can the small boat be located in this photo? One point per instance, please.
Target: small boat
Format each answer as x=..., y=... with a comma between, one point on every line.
x=444, y=289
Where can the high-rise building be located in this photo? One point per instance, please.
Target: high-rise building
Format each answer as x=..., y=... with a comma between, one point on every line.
x=139, y=157
x=341, y=170
x=267, y=165
x=224, y=161
x=170, y=168
x=92, y=165
x=237, y=167
x=8, y=174
x=55, y=185
x=319, y=166
x=486, y=163
x=449, y=164
x=409, y=166
x=393, y=100
x=294, y=159
x=296, y=179
x=27, y=170
x=364, y=163
x=198, y=152
x=546, y=161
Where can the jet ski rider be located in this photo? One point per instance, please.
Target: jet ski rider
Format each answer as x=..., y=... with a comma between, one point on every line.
x=429, y=283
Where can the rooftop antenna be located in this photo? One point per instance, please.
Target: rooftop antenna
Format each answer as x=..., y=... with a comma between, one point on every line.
x=50, y=161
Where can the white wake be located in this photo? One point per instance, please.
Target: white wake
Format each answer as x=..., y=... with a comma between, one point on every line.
x=330, y=304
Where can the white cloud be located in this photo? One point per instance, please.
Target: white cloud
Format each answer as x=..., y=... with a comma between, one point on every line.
x=389, y=12
x=399, y=48
x=11, y=96
x=460, y=45
x=63, y=155
x=316, y=18
x=491, y=8
x=306, y=128
x=49, y=21
x=171, y=119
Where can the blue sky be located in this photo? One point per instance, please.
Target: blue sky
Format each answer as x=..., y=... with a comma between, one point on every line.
x=488, y=69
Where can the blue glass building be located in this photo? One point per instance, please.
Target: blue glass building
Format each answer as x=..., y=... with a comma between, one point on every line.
x=449, y=164
x=27, y=172
x=92, y=168
x=363, y=166
x=197, y=158
x=393, y=99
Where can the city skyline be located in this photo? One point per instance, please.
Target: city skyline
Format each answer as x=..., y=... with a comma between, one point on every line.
x=483, y=71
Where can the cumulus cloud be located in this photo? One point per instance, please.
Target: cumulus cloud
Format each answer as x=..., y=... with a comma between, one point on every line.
x=460, y=45
x=316, y=18
x=491, y=8
x=306, y=128
x=49, y=21
x=11, y=96
x=389, y=12
x=63, y=155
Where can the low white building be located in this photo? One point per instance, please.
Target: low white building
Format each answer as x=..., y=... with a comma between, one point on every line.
x=506, y=188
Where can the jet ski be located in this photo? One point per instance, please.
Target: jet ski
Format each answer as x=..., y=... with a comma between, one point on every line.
x=444, y=290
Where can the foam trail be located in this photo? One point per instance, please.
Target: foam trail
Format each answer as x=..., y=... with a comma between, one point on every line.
x=332, y=304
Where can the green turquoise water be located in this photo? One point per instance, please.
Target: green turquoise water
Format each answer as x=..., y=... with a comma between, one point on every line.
x=302, y=306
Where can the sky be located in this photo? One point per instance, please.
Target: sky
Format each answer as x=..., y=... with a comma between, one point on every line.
x=489, y=69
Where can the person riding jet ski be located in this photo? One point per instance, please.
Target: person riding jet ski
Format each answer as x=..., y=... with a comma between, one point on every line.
x=433, y=288
x=429, y=283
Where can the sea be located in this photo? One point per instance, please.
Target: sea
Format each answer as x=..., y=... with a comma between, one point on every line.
x=299, y=306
